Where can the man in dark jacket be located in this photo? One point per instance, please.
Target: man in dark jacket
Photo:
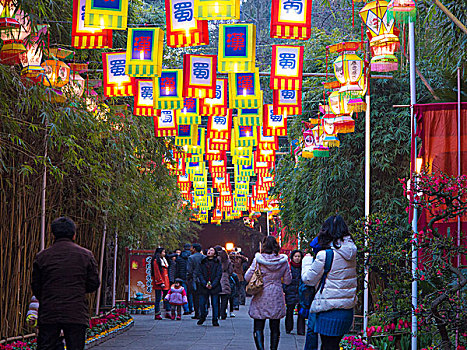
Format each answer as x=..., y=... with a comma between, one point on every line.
x=181, y=272
x=61, y=277
x=209, y=284
x=192, y=270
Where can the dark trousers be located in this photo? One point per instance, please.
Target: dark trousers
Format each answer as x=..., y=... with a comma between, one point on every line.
x=196, y=303
x=311, y=342
x=289, y=320
x=224, y=299
x=203, y=300
x=242, y=292
x=49, y=336
x=160, y=294
x=274, y=325
x=330, y=343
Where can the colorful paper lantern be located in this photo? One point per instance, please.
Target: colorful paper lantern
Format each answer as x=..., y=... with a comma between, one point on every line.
x=245, y=90
x=75, y=87
x=11, y=52
x=218, y=104
x=199, y=76
x=168, y=90
x=57, y=73
x=217, y=9
x=286, y=67
x=187, y=135
x=402, y=10
x=189, y=114
x=267, y=142
x=219, y=127
x=348, y=69
x=287, y=102
x=106, y=14
x=212, y=154
x=250, y=116
x=383, y=48
x=165, y=123
x=262, y=155
x=273, y=124
x=7, y=18
x=344, y=124
x=338, y=103
x=144, y=98
x=244, y=136
x=116, y=82
x=144, y=52
x=200, y=146
x=84, y=37
x=183, y=29
x=291, y=19
x=237, y=48
x=31, y=60
x=264, y=168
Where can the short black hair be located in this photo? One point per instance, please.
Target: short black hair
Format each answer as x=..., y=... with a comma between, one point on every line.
x=63, y=227
x=197, y=247
x=333, y=230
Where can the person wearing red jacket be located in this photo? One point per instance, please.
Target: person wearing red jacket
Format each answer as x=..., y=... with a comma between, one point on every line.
x=160, y=277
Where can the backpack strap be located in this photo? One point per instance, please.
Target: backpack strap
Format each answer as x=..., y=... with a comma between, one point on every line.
x=327, y=268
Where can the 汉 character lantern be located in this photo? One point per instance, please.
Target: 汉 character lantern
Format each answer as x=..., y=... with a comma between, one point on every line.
x=245, y=90
x=237, y=45
x=189, y=114
x=144, y=52
x=168, y=89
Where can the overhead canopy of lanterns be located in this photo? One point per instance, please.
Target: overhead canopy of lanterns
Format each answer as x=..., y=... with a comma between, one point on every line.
x=241, y=132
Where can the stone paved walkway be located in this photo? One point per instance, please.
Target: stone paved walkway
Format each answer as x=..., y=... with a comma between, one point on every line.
x=233, y=334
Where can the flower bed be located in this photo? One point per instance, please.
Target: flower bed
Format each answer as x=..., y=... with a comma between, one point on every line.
x=140, y=308
x=354, y=343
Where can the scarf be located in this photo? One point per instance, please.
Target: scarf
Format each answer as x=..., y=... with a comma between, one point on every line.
x=163, y=262
x=294, y=264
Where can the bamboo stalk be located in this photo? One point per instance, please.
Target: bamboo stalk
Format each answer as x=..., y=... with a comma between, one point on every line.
x=451, y=16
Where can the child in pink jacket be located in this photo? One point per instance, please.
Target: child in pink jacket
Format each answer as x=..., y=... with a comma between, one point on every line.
x=177, y=298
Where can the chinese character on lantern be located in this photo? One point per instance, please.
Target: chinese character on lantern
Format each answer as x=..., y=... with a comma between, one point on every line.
x=222, y=120
x=287, y=60
x=293, y=6
x=142, y=45
x=166, y=116
x=146, y=92
x=183, y=11
x=117, y=68
x=288, y=94
x=201, y=70
x=236, y=41
x=144, y=52
x=167, y=85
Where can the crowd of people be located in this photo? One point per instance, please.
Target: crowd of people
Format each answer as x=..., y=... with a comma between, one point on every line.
x=319, y=286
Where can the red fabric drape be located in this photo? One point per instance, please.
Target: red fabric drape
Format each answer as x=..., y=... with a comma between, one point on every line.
x=437, y=128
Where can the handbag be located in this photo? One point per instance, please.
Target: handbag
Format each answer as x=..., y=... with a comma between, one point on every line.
x=256, y=283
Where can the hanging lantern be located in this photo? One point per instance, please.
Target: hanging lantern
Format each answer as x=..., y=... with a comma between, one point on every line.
x=348, y=69
x=237, y=48
x=168, y=90
x=76, y=85
x=382, y=49
x=273, y=124
x=199, y=76
x=321, y=151
x=105, y=14
x=200, y=146
x=287, y=102
x=244, y=170
x=356, y=105
x=165, y=123
x=402, y=10
x=183, y=29
x=291, y=19
x=239, y=151
x=187, y=135
x=57, y=73
x=144, y=98
x=218, y=104
x=245, y=90
x=11, y=52
x=244, y=136
x=212, y=154
x=189, y=114
x=31, y=60
x=264, y=168
x=219, y=127
x=250, y=116
x=144, y=52
x=267, y=142
x=262, y=155
x=344, y=124
x=84, y=37
x=7, y=18
x=286, y=67
x=217, y=9
x=218, y=167
x=116, y=82
x=338, y=103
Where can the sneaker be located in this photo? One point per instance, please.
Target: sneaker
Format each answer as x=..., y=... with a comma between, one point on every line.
x=187, y=313
x=200, y=321
x=232, y=314
x=215, y=323
x=158, y=317
x=167, y=315
x=179, y=318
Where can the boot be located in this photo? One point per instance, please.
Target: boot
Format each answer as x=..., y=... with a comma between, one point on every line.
x=274, y=340
x=259, y=340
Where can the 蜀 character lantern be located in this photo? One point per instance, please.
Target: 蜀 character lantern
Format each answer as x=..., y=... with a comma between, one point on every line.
x=84, y=37
x=199, y=76
x=402, y=10
x=287, y=102
x=144, y=98
x=165, y=123
x=267, y=142
x=144, y=52
x=273, y=124
x=183, y=29
x=218, y=104
x=217, y=9
x=382, y=34
x=219, y=127
x=245, y=90
x=291, y=19
x=105, y=14
x=168, y=89
x=237, y=48
x=116, y=82
x=286, y=67
x=189, y=114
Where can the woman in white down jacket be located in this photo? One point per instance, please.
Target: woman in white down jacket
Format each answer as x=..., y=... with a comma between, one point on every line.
x=334, y=303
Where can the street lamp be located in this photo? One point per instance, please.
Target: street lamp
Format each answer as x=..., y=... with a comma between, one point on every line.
x=229, y=246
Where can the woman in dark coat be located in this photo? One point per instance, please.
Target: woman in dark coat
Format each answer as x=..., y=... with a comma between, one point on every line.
x=161, y=283
x=226, y=290
x=210, y=273
x=292, y=298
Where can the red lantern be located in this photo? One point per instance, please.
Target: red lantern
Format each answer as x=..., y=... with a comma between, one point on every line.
x=199, y=76
x=218, y=104
x=287, y=102
x=286, y=67
x=83, y=37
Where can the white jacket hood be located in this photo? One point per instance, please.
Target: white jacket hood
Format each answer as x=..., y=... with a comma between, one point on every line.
x=271, y=261
x=347, y=250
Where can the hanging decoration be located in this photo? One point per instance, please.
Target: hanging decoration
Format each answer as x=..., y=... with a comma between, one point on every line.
x=116, y=82
x=267, y=142
x=219, y=127
x=187, y=135
x=218, y=104
x=273, y=124
x=200, y=146
x=286, y=67
x=245, y=90
x=165, y=123
x=402, y=11
x=262, y=155
x=144, y=52
x=212, y=154
x=8, y=20
x=57, y=73
x=338, y=103
x=237, y=48
x=250, y=116
x=183, y=29
x=291, y=19
x=144, y=98
x=31, y=60
x=217, y=9
x=348, y=67
x=84, y=37
x=244, y=136
x=11, y=52
x=105, y=14
x=287, y=102
x=199, y=76
x=168, y=89
x=189, y=114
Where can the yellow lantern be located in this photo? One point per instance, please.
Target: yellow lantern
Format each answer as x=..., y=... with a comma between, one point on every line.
x=57, y=73
x=338, y=102
x=348, y=69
